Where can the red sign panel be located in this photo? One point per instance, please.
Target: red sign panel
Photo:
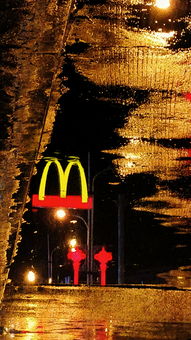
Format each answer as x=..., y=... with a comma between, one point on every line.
x=51, y=201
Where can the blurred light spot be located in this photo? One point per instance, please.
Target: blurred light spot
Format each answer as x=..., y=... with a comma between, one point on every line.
x=60, y=213
x=164, y=35
x=130, y=164
x=73, y=242
x=31, y=277
x=162, y=3
x=132, y=156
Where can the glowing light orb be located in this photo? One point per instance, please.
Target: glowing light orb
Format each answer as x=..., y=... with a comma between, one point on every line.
x=31, y=276
x=162, y=3
x=60, y=213
x=73, y=243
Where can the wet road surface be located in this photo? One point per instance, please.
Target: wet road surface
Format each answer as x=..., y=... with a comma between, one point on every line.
x=80, y=313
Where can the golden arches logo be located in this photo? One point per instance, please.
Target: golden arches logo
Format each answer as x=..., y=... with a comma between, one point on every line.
x=63, y=178
x=63, y=200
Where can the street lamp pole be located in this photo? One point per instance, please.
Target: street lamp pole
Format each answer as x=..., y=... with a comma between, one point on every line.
x=120, y=250
x=60, y=213
x=48, y=256
x=120, y=256
x=51, y=255
x=91, y=233
x=88, y=245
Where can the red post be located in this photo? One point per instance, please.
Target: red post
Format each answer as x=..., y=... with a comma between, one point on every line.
x=76, y=256
x=103, y=268
x=76, y=267
x=103, y=257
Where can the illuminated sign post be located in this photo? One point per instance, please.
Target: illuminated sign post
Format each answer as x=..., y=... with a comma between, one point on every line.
x=76, y=256
x=103, y=257
x=63, y=200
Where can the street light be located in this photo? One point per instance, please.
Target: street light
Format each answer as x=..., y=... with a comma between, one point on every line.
x=51, y=256
x=73, y=243
x=87, y=244
x=91, y=231
x=62, y=214
x=30, y=276
x=120, y=246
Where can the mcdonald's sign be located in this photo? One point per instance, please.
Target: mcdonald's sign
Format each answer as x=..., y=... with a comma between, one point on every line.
x=63, y=200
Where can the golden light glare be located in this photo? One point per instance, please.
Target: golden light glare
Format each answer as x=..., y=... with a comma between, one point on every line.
x=31, y=277
x=60, y=213
x=73, y=243
x=31, y=323
x=162, y=3
x=73, y=221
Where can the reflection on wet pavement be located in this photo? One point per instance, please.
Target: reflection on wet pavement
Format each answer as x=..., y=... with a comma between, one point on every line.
x=94, y=314
x=141, y=60
x=133, y=45
x=119, y=44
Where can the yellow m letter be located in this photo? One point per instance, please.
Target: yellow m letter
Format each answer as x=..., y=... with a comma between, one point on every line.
x=63, y=178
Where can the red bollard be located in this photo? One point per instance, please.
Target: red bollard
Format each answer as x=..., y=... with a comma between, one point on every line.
x=103, y=257
x=76, y=256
